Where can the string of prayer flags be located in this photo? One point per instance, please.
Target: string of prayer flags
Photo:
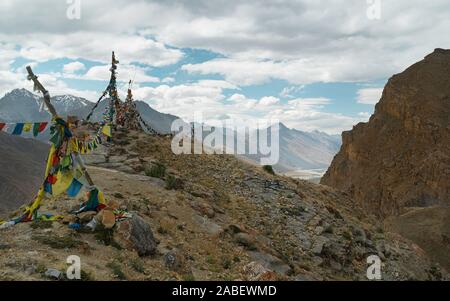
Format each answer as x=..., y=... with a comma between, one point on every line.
x=24, y=127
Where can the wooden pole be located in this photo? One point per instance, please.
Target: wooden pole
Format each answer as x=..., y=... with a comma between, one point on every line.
x=51, y=109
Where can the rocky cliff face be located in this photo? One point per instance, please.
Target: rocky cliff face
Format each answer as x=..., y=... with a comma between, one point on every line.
x=401, y=157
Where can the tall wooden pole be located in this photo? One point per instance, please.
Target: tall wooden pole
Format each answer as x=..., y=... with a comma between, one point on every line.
x=51, y=109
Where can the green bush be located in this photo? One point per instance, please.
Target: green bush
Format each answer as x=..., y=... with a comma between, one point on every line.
x=173, y=183
x=157, y=170
x=269, y=169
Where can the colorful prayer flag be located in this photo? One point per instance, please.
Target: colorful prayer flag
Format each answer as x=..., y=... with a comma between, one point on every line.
x=74, y=188
x=27, y=127
x=18, y=129
x=42, y=126
x=107, y=130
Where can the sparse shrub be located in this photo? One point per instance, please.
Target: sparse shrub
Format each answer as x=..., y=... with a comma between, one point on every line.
x=158, y=170
x=347, y=235
x=188, y=277
x=55, y=242
x=226, y=262
x=221, y=196
x=269, y=169
x=162, y=230
x=328, y=229
x=106, y=236
x=173, y=183
x=117, y=270
x=86, y=276
x=40, y=224
x=137, y=265
x=118, y=195
x=211, y=259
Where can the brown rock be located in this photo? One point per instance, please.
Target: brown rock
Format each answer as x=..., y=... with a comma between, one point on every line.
x=136, y=234
x=107, y=218
x=401, y=157
x=86, y=217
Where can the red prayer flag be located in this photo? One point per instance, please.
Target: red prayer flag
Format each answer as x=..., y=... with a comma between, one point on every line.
x=42, y=126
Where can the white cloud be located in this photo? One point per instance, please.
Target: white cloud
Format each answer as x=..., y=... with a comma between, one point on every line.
x=300, y=42
x=369, y=96
x=269, y=101
x=73, y=67
x=185, y=100
x=288, y=92
x=125, y=73
x=94, y=46
x=168, y=80
x=364, y=114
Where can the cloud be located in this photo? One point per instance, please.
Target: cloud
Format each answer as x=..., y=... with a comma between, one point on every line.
x=269, y=101
x=288, y=92
x=369, y=96
x=73, y=67
x=94, y=46
x=321, y=40
x=300, y=42
x=246, y=72
x=364, y=114
x=187, y=99
x=126, y=73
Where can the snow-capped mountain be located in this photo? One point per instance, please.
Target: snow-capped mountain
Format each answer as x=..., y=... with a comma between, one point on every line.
x=307, y=153
x=301, y=152
x=65, y=104
x=21, y=105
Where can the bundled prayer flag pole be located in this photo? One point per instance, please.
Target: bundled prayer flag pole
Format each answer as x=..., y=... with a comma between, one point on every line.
x=65, y=170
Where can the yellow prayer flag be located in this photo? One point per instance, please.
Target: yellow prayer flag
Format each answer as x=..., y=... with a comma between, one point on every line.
x=63, y=182
x=107, y=130
x=27, y=127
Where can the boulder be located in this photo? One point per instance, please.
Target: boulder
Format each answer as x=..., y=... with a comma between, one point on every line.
x=255, y=271
x=245, y=240
x=136, y=234
x=174, y=260
x=270, y=262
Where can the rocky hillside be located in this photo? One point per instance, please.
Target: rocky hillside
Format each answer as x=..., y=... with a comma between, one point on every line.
x=210, y=217
x=401, y=157
x=22, y=163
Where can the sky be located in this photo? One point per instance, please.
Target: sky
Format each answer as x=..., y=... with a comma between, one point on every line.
x=311, y=64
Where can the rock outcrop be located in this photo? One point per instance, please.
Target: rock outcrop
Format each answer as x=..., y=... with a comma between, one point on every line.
x=401, y=157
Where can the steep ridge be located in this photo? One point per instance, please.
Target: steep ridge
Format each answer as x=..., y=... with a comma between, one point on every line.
x=401, y=157
x=214, y=217
x=22, y=163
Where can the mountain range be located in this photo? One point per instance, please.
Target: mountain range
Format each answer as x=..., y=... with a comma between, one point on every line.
x=302, y=154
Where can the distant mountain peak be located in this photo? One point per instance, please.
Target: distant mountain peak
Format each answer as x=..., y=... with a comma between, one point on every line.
x=21, y=92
